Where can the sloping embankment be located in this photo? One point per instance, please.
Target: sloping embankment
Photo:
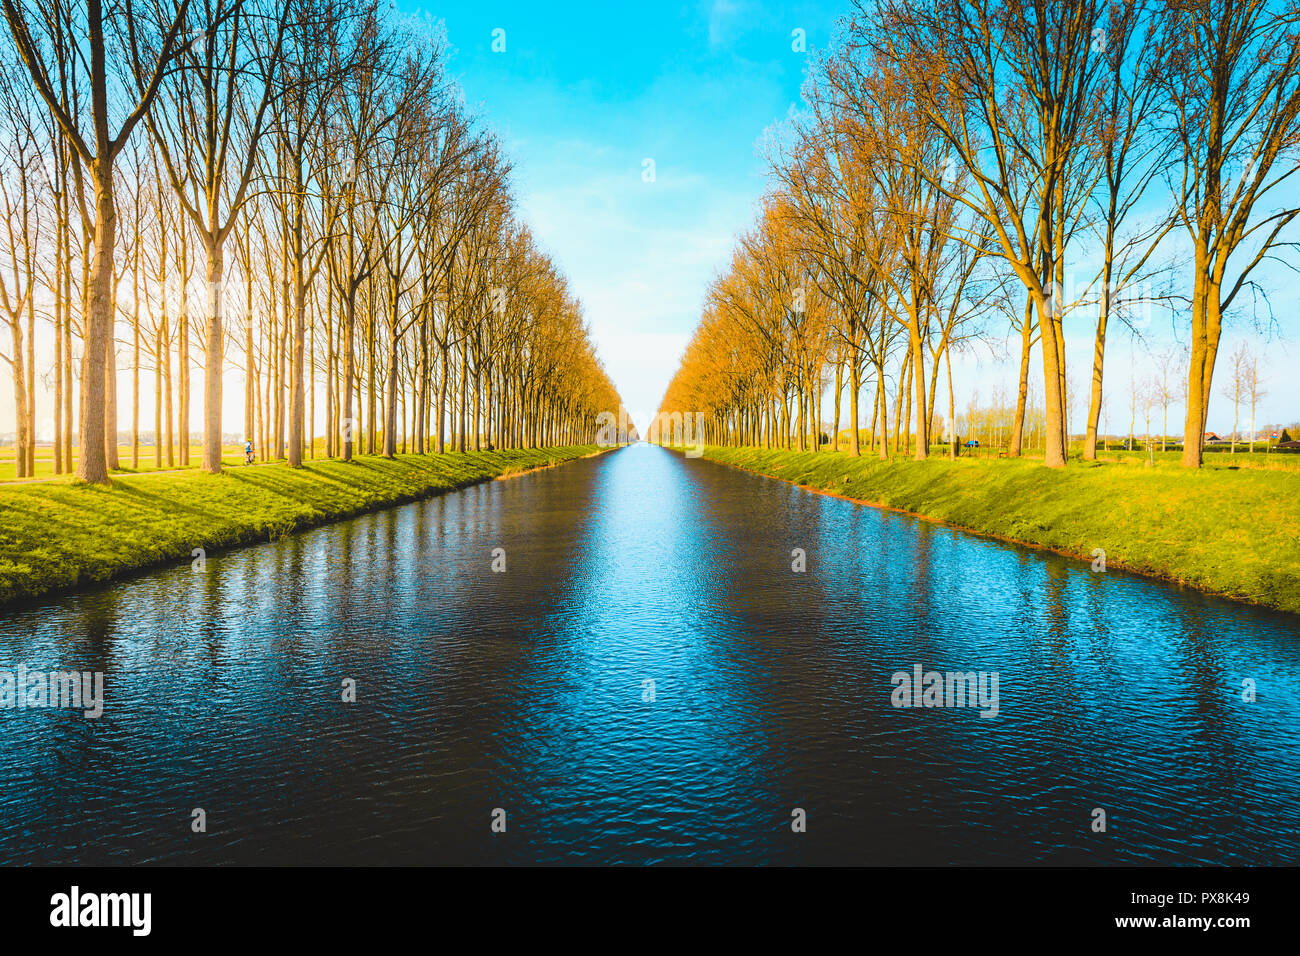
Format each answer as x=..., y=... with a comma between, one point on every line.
x=1232, y=532
x=63, y=534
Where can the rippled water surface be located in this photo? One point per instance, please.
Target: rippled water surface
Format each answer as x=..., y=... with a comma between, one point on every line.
x=527, y=691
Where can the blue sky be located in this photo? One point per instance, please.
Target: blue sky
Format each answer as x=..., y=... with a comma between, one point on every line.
x=583, y=95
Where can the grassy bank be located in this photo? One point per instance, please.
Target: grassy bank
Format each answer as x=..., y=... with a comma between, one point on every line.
x=231, y=456
x=61, y=534
x=1231, y=531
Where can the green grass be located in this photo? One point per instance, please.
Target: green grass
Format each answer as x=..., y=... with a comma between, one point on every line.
x=1234, y=531
x=230, y=455
x=65, y=533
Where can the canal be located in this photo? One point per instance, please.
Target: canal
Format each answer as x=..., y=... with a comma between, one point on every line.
x=616, y=661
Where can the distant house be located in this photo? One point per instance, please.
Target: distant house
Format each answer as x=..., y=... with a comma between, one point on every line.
x=1212, y=439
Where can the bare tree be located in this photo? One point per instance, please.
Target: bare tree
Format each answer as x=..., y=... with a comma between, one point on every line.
x=23, y=232
x=1233, y=86
x=1236, y=386
x=207, y=128
x=1014, y=90
x=1169, y=369
x=1255, y=391
x=1132, y=154
x=97, y=153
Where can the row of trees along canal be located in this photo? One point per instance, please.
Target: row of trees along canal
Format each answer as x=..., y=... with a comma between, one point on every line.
x=290, y=188
x=950, y=159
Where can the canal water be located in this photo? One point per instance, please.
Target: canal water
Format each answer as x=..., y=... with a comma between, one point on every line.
x=648, y=679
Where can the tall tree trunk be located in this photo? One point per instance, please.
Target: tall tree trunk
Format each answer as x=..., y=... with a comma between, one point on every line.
x=298, y=370
x=183, y=354
x=464, y=389
x=31, y=368
x=882, y=402
x=135, y=358
x=157, y=397
x=855, y=386
x=69, y=390
x=1098, y=359
x=952, y=407
x=213, y=352
x=922, y=415
x=1206, y=325
x=349, y=371
x=390, y=403
x=250, y=359
x=59, y=319
x=1015, y=444
x=110, y=392
x=20, y=401
x=92, y=464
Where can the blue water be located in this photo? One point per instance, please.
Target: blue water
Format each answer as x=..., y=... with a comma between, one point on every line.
x=526, y=691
